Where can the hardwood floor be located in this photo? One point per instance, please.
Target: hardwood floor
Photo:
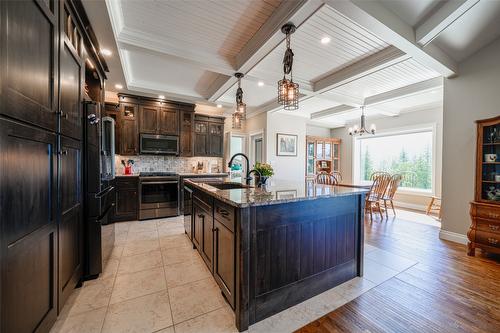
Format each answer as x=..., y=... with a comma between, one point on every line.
x=447, y=291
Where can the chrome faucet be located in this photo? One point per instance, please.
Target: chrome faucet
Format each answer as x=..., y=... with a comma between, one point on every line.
x=248, y=178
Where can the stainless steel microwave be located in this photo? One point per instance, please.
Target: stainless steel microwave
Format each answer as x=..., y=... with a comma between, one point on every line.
x=159, y=144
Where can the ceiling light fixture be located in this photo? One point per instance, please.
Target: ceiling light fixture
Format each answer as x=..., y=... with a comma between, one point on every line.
x=288, y=91
x=260, y=84
x=325, y=40
x=241, y=108
x=236, y=121
x=219, y=106
x=106, y=52
x=161, y=97
x=362, y=130
x=118, y=86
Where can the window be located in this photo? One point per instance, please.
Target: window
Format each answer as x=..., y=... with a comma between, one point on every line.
x=237, y=145
x=409, y=154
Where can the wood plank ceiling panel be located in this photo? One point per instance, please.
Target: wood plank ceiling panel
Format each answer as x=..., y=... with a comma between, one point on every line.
x=349, y=43
x=198, y=24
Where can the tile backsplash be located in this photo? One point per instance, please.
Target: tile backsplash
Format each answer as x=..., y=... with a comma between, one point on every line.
x=145, y=163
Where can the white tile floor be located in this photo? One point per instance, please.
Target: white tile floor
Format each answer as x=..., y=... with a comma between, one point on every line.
x=155, y=282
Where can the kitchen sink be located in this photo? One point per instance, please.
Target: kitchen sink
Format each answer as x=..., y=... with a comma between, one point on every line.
x=228, y=186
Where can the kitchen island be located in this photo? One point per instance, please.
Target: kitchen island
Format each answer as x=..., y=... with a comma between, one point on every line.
x=273, y=247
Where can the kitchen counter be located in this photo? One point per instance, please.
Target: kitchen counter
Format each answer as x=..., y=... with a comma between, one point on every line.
x=277, y=192
x=126, y=176
x=270, y=248
x=203, y=174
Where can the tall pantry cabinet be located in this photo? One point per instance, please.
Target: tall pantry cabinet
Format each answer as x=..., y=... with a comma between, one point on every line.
x=43, y=55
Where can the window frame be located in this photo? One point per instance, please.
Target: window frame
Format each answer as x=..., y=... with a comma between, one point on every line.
x=356, y=158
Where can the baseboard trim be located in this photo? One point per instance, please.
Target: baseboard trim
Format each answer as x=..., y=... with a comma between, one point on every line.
x=453, y=237
x=400, y=204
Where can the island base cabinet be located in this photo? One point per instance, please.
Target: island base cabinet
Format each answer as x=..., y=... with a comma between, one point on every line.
x=224, y=265
x=203, y=231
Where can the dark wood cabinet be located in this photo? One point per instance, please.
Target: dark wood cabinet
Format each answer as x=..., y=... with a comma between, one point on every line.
x=216, y=140
x=169, y=121
x=200, y=138
x=28, y=229
x=112, y=110
x=203, y=230
x=70, y=110
x=148, y=119
x=29, y=61
x=208, y=137
x=70, y=221
x=127, y=199
x=129, y=134
x=224, y=265
x=186, y=133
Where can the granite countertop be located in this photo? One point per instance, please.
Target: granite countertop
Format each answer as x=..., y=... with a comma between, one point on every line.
x=132, y=175
x=276, y=192
x=203, y=174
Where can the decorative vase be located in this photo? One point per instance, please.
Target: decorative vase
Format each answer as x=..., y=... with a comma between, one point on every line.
x=262, y=180
x=128, y=170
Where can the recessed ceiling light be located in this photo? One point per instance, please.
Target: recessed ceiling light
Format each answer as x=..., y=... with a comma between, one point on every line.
x=219, y=105
x=106, y=52
x=161, y=97
x=118, y=86
x=325, y=40
x=260, y=84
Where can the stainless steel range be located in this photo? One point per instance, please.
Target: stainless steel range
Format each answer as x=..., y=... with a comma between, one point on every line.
x=158, y=195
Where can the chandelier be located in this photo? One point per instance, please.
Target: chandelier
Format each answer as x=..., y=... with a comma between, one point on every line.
x=362, y=130
x=241, y=108
x=288, y=91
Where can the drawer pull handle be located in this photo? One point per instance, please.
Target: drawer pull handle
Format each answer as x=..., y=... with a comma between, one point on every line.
x=201, y=216
x=223, y=212
x=493, y=227
x=493, y=241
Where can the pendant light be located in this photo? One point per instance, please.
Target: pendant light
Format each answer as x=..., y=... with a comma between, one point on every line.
x=362, y=130
x=288, y=91
x=241, y=108
x=236, y=121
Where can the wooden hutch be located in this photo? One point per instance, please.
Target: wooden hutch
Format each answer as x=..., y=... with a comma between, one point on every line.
x=322, y=155
x=484, y=232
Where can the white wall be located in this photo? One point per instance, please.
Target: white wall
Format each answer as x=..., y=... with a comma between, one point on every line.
x=290, y=168
x=473, y=95
x=318, y=131
x=388, y=124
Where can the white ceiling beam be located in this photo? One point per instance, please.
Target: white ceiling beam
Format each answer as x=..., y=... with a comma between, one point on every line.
x=442, y=19
x=412, y=89
x=332, y=111
x=267, y=39
x=377, y=19
x=369, y=65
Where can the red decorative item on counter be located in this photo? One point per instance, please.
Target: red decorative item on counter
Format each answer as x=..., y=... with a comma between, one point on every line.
x=128, y=170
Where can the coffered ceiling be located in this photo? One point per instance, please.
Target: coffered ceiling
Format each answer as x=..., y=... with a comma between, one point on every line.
x=347, y=53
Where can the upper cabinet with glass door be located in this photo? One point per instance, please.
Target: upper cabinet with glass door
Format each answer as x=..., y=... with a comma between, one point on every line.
x=323, y=155
x=488, y=161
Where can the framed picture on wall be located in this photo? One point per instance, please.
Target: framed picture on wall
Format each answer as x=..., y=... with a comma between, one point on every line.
x=286, y=144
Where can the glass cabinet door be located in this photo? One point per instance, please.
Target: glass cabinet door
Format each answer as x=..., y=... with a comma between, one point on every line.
x=328, y=150
x=319, y=151
x=336, y=150
x=491, y=163
x=310, y=158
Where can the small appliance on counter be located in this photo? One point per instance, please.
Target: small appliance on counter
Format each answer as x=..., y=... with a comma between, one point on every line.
x=158, y=195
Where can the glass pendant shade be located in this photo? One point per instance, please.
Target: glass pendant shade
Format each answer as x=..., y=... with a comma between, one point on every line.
x=237, y=121
x=241, y=108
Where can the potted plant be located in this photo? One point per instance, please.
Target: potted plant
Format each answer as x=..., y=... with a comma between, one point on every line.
x=265, y=171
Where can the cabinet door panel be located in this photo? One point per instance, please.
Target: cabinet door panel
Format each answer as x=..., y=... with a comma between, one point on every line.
x=169, y=121
x=216, y=140
x=129, y=137
x=70, y=228
x=28, y=36
x=70, y=107
x=224, y=266
x=200, y=138
x=208, y=242
x=148, y=119
x=197, y=227
x=126, y=203
x=27, y=227
x=186, y=133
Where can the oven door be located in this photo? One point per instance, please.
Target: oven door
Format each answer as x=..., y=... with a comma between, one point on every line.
x=159, y=194
x=159, y=144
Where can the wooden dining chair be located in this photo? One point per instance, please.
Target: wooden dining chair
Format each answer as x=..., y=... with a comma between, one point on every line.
x=391, y=191
x=337, y=175
x=326, y=179
x=376, y=193
x=378, y=173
